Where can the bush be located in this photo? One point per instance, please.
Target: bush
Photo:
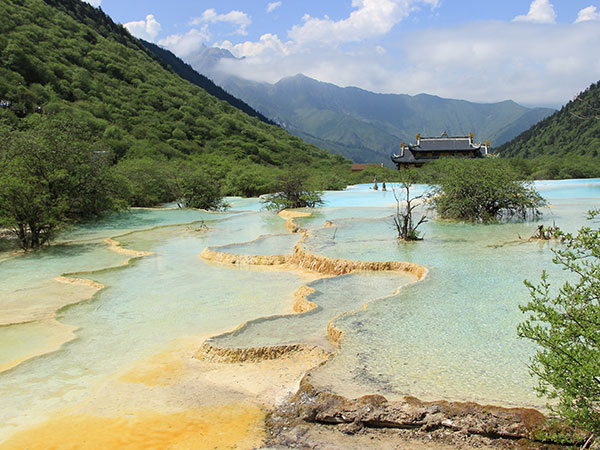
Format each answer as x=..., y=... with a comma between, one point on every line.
x=199, y=191
x=566, y=327
x=483, y=191
x=149, y=182
x=293, y=191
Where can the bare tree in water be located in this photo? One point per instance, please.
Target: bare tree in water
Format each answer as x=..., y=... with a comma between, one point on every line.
x=403, y=219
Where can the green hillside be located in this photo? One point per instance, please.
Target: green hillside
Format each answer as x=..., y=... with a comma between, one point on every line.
x=369, y=127
x=68, y=58
x=171, y=61
x=573, y=131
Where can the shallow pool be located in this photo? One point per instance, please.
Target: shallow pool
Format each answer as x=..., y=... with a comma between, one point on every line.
x=451, y=335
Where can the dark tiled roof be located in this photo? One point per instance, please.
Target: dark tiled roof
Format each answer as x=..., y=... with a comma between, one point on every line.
x=432, y=148
x=440, y=144
x=405, y=156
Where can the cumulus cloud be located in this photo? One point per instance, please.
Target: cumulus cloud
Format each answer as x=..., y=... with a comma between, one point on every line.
x=370, y=18
x=238, y=18
x=268, y=45
x=540, y=11
x=144, y=29
x=587, y=14
x=188, y=43
x=530, y=64
x=95, y=3
x=273, y=6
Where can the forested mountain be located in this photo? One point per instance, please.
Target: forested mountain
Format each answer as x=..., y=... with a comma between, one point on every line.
x=67, y=57
x=186, y=71
x=572, y=131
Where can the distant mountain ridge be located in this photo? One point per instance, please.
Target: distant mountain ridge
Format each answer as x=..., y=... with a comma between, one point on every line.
x=573, y=130
x=365, y=126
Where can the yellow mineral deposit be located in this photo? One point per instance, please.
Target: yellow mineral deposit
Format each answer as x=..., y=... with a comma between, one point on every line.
x=24, y=305
x=160, y=370
x=289, y=217
x=301, y=259
x=237, y=425
x=116, y=247
x=302, y=303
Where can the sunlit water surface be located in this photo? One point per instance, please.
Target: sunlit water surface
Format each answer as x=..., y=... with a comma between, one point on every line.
x=452, y=335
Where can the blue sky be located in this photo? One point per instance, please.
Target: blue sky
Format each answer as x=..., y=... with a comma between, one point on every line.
x=539, y=52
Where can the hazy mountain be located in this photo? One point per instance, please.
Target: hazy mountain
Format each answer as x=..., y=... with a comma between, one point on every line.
x=573, y=131
x=365, y=126
x=205, y=59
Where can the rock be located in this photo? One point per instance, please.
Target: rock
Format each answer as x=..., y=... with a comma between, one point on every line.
x=375, y=411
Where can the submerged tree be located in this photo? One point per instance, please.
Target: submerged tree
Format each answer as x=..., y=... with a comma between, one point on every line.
x=199, y=191
x=293, y=191
x=565, y=324
x=403, y=218
x=483, y=191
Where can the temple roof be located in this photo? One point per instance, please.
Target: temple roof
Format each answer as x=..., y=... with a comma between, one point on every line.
x=440, y=144
x=431, y=148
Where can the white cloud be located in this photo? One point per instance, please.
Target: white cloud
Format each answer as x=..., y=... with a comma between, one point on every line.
x=587, y=14
x=95, y=3
x=145, y=29
x=370, y=18
x=188, y=43
x=540, y=11
x=267, y=44
x=519, y=61
x=273, y=6
x=239, y=18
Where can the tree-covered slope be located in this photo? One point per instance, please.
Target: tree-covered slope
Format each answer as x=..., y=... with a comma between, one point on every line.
x=187, y=72
x=368, y=127
x=572, y=131
x=67, y=56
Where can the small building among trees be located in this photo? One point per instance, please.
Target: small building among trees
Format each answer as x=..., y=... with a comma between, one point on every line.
x=429, y=149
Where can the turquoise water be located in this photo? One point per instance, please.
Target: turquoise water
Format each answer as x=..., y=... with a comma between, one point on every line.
x=451, y=335
x=333, y=296
x=269, y=245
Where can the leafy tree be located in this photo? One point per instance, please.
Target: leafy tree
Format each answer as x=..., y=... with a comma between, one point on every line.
x=250, y=181
x=148, y=182
x=565, y=324
x=293, y=191
x=52, y=174
x=199, y=191
x=483, y=191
